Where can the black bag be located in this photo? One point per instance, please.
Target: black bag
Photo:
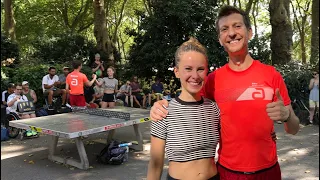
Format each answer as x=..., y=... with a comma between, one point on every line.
x=41, y=112
x=112, y=154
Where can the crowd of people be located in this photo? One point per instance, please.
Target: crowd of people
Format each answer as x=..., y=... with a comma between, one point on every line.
x=74, y=88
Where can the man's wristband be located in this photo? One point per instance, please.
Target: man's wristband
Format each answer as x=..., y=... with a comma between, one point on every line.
x=288, y=116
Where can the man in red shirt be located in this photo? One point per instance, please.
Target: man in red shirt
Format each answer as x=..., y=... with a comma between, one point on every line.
x=75, y=81
x=251, y=96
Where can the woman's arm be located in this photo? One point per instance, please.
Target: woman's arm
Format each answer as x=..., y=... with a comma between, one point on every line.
x=34, y=96
x=96, y=68
x=156, y=158
x=311, y=84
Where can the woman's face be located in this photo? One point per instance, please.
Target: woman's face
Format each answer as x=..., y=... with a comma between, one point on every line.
x=110, y=72
x=192, y=71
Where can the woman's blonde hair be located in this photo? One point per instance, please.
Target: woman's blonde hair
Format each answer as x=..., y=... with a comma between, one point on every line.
x=191, y=45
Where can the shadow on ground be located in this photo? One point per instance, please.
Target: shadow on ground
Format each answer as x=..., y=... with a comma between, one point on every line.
x=27, y=160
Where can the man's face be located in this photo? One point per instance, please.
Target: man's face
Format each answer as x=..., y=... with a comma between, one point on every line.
x=52, y=72
x=66, y=71
x=233, y=34
x=135, y=79
x=25, y=87
x=18, y=90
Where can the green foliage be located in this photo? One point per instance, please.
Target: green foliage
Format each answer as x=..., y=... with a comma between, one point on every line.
x=297, y=78
x=259, y=48
x=63, y=48
x=171, y=23
x=9, y=50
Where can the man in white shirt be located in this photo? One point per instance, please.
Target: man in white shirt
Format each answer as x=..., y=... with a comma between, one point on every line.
x=13, y=101
x=49, y=86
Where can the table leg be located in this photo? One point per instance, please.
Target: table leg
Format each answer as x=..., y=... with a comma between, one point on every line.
x=110, y=135
x=82, y=164
x=53, y=146
x=137, y=131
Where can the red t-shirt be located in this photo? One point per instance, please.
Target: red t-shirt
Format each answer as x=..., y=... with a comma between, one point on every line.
x=246, y=144
x=76, y=80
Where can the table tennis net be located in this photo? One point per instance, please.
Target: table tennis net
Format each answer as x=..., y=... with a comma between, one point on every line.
x=103, y=112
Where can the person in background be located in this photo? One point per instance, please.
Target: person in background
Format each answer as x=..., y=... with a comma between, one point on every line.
x=6, y=93
x=136, y=92
x=157, y=89
x=97, y=67
x=29, y=93
x=75, y=82
x=98, y=93
x=314, y=95
x=50, y=83
x=110, y=85
x=125, y=94
x=63, y=76
x=13, y=100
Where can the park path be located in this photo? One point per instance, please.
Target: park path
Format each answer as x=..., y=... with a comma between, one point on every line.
x=27, y=160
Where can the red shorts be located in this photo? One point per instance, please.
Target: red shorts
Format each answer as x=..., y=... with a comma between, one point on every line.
x=273, y=173
x=77, y=100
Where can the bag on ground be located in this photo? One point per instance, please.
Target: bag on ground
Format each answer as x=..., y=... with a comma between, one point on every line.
x=113, y=154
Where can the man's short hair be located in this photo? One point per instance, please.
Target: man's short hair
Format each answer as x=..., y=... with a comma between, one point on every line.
x=76, y=64
x=11, y=85
x=51, y=68
x=228, y=10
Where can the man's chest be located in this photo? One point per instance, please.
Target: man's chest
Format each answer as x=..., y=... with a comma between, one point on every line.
x=246, y=88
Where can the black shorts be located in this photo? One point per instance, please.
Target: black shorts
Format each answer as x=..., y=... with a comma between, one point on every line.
x=137, y=95
x=215, y=177
x=109, y=97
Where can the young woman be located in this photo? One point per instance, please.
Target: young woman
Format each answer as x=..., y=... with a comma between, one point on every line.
x=314, y=95
x=110, y=85
x=190, y=131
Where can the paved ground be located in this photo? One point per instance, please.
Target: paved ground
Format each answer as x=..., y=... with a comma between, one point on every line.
x=27, y=160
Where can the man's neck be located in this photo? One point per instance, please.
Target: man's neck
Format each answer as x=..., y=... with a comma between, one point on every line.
x=51, y=76
x=240, y=61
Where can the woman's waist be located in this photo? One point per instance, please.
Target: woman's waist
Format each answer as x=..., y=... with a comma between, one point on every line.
x=195, y=169
x=109, y=91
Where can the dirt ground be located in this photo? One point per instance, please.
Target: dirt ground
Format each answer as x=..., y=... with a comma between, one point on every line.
x=27, y=159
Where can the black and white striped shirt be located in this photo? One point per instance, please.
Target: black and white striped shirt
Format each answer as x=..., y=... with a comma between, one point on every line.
x=191, y=130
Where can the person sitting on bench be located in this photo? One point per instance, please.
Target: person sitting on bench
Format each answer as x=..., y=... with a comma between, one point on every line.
x=49, y=86
x=14, y=99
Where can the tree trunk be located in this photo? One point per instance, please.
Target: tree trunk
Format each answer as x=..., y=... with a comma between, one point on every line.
x=281, y=36
x=314, y=58
x=9, y=22
x=100, y=32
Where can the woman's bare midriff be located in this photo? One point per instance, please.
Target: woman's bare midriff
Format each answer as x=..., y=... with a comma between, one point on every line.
x=201, y=169
x=109, y=91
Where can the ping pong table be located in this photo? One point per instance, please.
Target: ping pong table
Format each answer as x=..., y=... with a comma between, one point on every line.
x=79, y=123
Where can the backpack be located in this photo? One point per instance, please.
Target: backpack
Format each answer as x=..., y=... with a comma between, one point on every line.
x=41, y=112
x=4, y=134
x=113, y=154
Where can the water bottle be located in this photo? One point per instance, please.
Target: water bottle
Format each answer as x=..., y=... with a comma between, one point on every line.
x=126, y=155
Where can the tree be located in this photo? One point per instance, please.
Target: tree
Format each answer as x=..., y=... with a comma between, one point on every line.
x=314, y=59
x=281, y=36
x=303, y=11
x=171, y=23
x=9, y=25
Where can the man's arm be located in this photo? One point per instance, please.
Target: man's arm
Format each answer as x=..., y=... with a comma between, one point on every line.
x=11, y=101
x=292, y=124
x=4, y=102
x=159, y=110
x=89, y=83
x=155, y=166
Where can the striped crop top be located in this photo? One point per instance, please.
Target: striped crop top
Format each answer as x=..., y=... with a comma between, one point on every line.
x=191, y=130
x=110, y=83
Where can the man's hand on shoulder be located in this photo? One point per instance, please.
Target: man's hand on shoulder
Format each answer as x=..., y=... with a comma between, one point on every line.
x=159, y=110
